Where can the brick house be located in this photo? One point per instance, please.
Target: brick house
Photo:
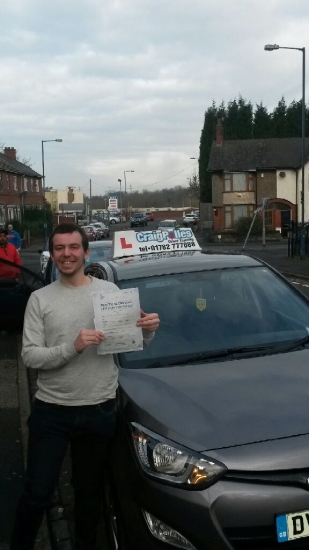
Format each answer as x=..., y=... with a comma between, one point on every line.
x=20, y=187
x=246, y=171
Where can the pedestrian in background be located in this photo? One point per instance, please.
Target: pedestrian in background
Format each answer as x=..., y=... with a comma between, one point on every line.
x=76, y=398
x=14, y=237
x=8, y=252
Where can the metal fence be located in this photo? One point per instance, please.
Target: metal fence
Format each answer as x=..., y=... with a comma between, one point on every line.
x=298, y=240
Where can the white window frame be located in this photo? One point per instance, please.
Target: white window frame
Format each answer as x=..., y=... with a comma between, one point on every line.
x=2, y=214
x=15, y=183
x=37, y=186
x=25, y=184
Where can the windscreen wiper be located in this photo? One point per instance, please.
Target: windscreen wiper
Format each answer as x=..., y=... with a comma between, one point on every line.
x=210, y=356
x=294, y=345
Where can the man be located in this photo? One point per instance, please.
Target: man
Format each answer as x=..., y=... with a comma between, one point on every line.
x=8, y=252
x=75, y=401
x=14, y=237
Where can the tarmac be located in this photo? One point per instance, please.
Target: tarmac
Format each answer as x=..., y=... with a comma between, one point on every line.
x=18, y=386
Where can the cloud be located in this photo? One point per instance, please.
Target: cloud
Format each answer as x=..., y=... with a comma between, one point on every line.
x=125, y=83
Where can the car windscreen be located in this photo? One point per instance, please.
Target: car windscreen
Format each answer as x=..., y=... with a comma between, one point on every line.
x=212, y=312
x=166, y=224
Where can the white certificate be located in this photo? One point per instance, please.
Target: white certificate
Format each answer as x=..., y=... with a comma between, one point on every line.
x=116, y=314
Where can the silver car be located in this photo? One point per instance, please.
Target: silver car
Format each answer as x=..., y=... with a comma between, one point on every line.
x=212, y=448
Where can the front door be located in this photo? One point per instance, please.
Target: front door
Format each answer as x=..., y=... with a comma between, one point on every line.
x=285, y=221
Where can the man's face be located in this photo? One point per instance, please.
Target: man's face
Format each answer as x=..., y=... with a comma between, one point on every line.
x=10, y=227
x=3, y=239
x=68, y=253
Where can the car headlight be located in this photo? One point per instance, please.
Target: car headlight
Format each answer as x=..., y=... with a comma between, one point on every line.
x=171, y=463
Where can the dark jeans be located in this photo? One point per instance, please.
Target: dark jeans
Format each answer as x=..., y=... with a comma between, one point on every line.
x=51, y=429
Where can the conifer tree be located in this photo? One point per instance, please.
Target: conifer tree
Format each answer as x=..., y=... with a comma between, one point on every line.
x=261, y=123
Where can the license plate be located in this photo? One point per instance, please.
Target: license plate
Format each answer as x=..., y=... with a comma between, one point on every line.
x=292, y=526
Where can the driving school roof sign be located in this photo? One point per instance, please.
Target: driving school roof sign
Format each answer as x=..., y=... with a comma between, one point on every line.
x=135, y=243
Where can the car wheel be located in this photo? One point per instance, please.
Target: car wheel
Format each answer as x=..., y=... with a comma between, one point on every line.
x=114, y=529
x=112, y=221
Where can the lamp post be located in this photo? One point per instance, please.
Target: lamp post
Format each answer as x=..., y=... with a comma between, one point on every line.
x=125, y=189
x=45, y=141
x=270, y=48
x=125, y=181
x=120, y=198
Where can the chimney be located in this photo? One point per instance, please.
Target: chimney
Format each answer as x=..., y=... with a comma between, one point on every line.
x=219, y=132
x=10, y=152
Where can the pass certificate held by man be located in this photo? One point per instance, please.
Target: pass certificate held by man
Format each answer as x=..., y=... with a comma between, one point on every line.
x=116, y=314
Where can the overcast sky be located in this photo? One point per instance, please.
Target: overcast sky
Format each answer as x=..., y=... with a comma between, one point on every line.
x=125, y=83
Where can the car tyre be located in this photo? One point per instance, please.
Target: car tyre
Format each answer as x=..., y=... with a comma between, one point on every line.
x=112, y=221
x=116, y=537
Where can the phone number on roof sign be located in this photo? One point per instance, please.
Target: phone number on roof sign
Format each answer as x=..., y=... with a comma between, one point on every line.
x=169, y=246
x=159, y=236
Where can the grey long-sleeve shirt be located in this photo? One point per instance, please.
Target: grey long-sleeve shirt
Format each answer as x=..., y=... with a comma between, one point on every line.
x=53, y=318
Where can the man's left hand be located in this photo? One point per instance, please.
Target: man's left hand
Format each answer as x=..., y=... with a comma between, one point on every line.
x=148, y=321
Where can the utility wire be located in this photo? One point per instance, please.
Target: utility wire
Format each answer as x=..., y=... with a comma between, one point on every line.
x=155, y=182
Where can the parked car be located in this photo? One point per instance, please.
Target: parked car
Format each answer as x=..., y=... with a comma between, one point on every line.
x=138, y=219
x=14, y=297
x=190, y=220
x=212, y=443
x=104, y=230
x=150, y=216
x=114, y=219
x=44, y=257
x=168, y=224
x=90, y=232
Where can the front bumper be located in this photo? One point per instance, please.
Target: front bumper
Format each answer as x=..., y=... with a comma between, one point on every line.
x=228, y=515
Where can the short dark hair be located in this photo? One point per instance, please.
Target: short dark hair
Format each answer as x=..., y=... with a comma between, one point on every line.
x=63, y=228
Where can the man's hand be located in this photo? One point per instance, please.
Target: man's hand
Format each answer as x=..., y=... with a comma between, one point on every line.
x=87, y=337
x=148, y=321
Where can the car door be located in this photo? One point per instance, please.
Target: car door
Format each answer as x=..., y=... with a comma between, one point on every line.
x=14, y=297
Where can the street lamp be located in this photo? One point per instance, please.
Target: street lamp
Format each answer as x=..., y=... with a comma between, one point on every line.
x=125, y=189
x=45, y=141
x=125, y=181
x=270, y=48
x=120, y=198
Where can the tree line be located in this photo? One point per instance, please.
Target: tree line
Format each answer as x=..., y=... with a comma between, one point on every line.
x=175, y=197
x=241, y=120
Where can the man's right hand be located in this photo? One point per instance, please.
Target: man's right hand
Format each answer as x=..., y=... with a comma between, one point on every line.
x=87, y=337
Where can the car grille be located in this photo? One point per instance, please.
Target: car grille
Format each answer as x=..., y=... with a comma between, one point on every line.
x=261, y=538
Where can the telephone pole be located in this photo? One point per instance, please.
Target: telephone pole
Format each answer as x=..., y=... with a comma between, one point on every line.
x=90, y=210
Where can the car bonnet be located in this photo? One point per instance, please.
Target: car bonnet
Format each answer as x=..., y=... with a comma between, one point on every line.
x=223, y=404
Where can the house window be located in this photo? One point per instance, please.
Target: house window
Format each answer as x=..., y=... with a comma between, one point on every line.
x=11, y=213
x=8, y=181
x=31, y=185
x=25, y=184
x=37, y=187
x=239, y=211
x=233, y=212
x=2, y=214
x=227, y=182
x=237, y=181
x=15, y=183
x=228, y=216
x=0, y=182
